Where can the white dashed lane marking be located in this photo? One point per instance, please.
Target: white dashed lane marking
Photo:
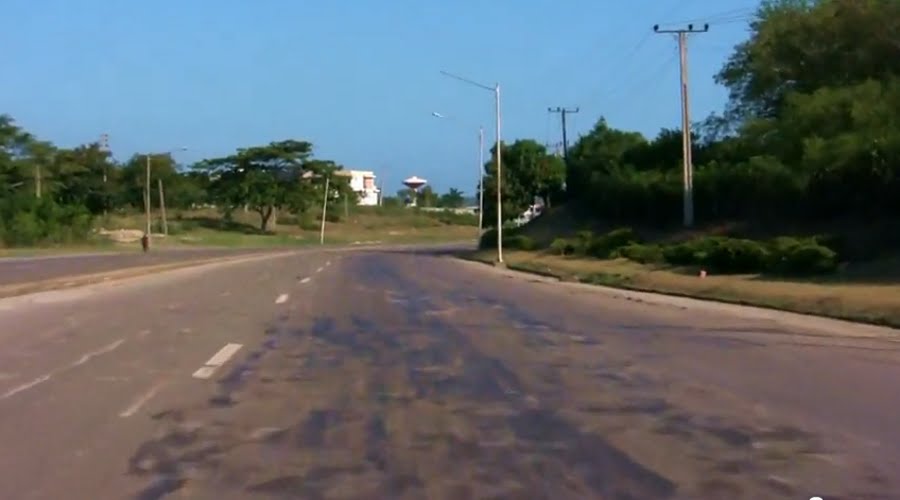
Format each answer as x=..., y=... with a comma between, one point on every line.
x=141, y=400
x=43, y=378
x=218, y=359
x=305, y=280
x=281, y=298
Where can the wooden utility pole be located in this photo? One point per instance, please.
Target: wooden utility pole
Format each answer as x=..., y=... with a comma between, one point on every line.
x=565, y=138
x=688, y=199
x=104, y=146
x=162, y=207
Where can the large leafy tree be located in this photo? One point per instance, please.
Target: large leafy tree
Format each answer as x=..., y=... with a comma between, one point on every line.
x=528, y=171
x=261, y=177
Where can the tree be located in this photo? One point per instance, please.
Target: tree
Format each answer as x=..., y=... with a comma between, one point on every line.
x=528, y=171
x=263, y=177
x=453, y=198
x=427, y=197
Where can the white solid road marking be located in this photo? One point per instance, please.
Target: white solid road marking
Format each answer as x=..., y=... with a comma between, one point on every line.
x=43, y=378
x=305, y=280
x=141, y=401
x=281, y=298
x=218, y=359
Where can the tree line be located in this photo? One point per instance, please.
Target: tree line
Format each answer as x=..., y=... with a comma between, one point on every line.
x=50, y=194
x=810, y=133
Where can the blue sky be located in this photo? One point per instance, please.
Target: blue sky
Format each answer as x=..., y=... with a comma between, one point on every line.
x=359, y=79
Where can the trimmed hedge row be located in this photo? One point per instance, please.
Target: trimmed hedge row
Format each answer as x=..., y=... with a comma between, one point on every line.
x=784, y=255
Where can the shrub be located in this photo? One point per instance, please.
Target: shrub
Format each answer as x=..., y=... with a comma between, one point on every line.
x=605, y=246
x=720, y=254
x=519, y=242
x=562, y=246
x=568, y=246
x=797, y=257
x=30, y=221
x=644, y=254
x=680, y=254
x=732, y=255
x=488, y=239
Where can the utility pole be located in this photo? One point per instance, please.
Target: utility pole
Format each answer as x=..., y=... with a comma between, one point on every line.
x=688, y=199
x=147, y=198
x=104, y=146
x=162, y=207
x=565, y=138
x=324, y=211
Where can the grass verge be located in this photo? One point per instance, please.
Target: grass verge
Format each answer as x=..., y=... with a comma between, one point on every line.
x=207, y=228
x=862, y=302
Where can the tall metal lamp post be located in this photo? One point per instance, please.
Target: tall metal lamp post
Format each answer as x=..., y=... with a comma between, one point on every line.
x=496, y=91
x=480, y=170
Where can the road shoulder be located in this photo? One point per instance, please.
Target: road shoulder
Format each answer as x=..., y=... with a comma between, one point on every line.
x=822, y=324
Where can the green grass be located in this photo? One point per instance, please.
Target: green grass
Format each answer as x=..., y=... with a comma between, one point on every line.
x=207, y=228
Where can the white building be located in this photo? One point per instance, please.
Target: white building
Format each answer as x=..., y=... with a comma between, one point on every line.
x=362, y=182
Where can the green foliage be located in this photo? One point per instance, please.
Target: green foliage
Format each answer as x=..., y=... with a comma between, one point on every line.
x=643, y=254
x=519, y=242
x=605, y=246
x=811, y=130
x=528, y=171
x=32, y=221
x=719, y=254
x=784, y=255
x=488, y=239
x=453, y=198
x=511, y=240
x=792, y=256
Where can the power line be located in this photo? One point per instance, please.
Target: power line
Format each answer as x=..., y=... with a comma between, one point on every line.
x=717, y=18
x=562, y=113
x=688, y=199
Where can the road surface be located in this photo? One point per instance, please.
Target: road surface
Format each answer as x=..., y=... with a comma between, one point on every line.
x=15, y=270
x=407, y=375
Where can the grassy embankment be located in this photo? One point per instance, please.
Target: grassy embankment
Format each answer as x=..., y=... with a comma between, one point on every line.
x=207, y=228
x=837, y=276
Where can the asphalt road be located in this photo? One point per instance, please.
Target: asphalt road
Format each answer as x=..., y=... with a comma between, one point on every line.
x=15, y=270
x=400, y=374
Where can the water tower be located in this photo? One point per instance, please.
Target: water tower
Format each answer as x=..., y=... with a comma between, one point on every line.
x=414, y=183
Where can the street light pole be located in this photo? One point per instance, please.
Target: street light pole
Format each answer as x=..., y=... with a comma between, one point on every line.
x=480, y=181
x=499, y=180
x=496, y=90
x=480, y=171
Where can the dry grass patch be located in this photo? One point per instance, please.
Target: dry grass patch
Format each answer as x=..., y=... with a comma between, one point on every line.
x=877, y=303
